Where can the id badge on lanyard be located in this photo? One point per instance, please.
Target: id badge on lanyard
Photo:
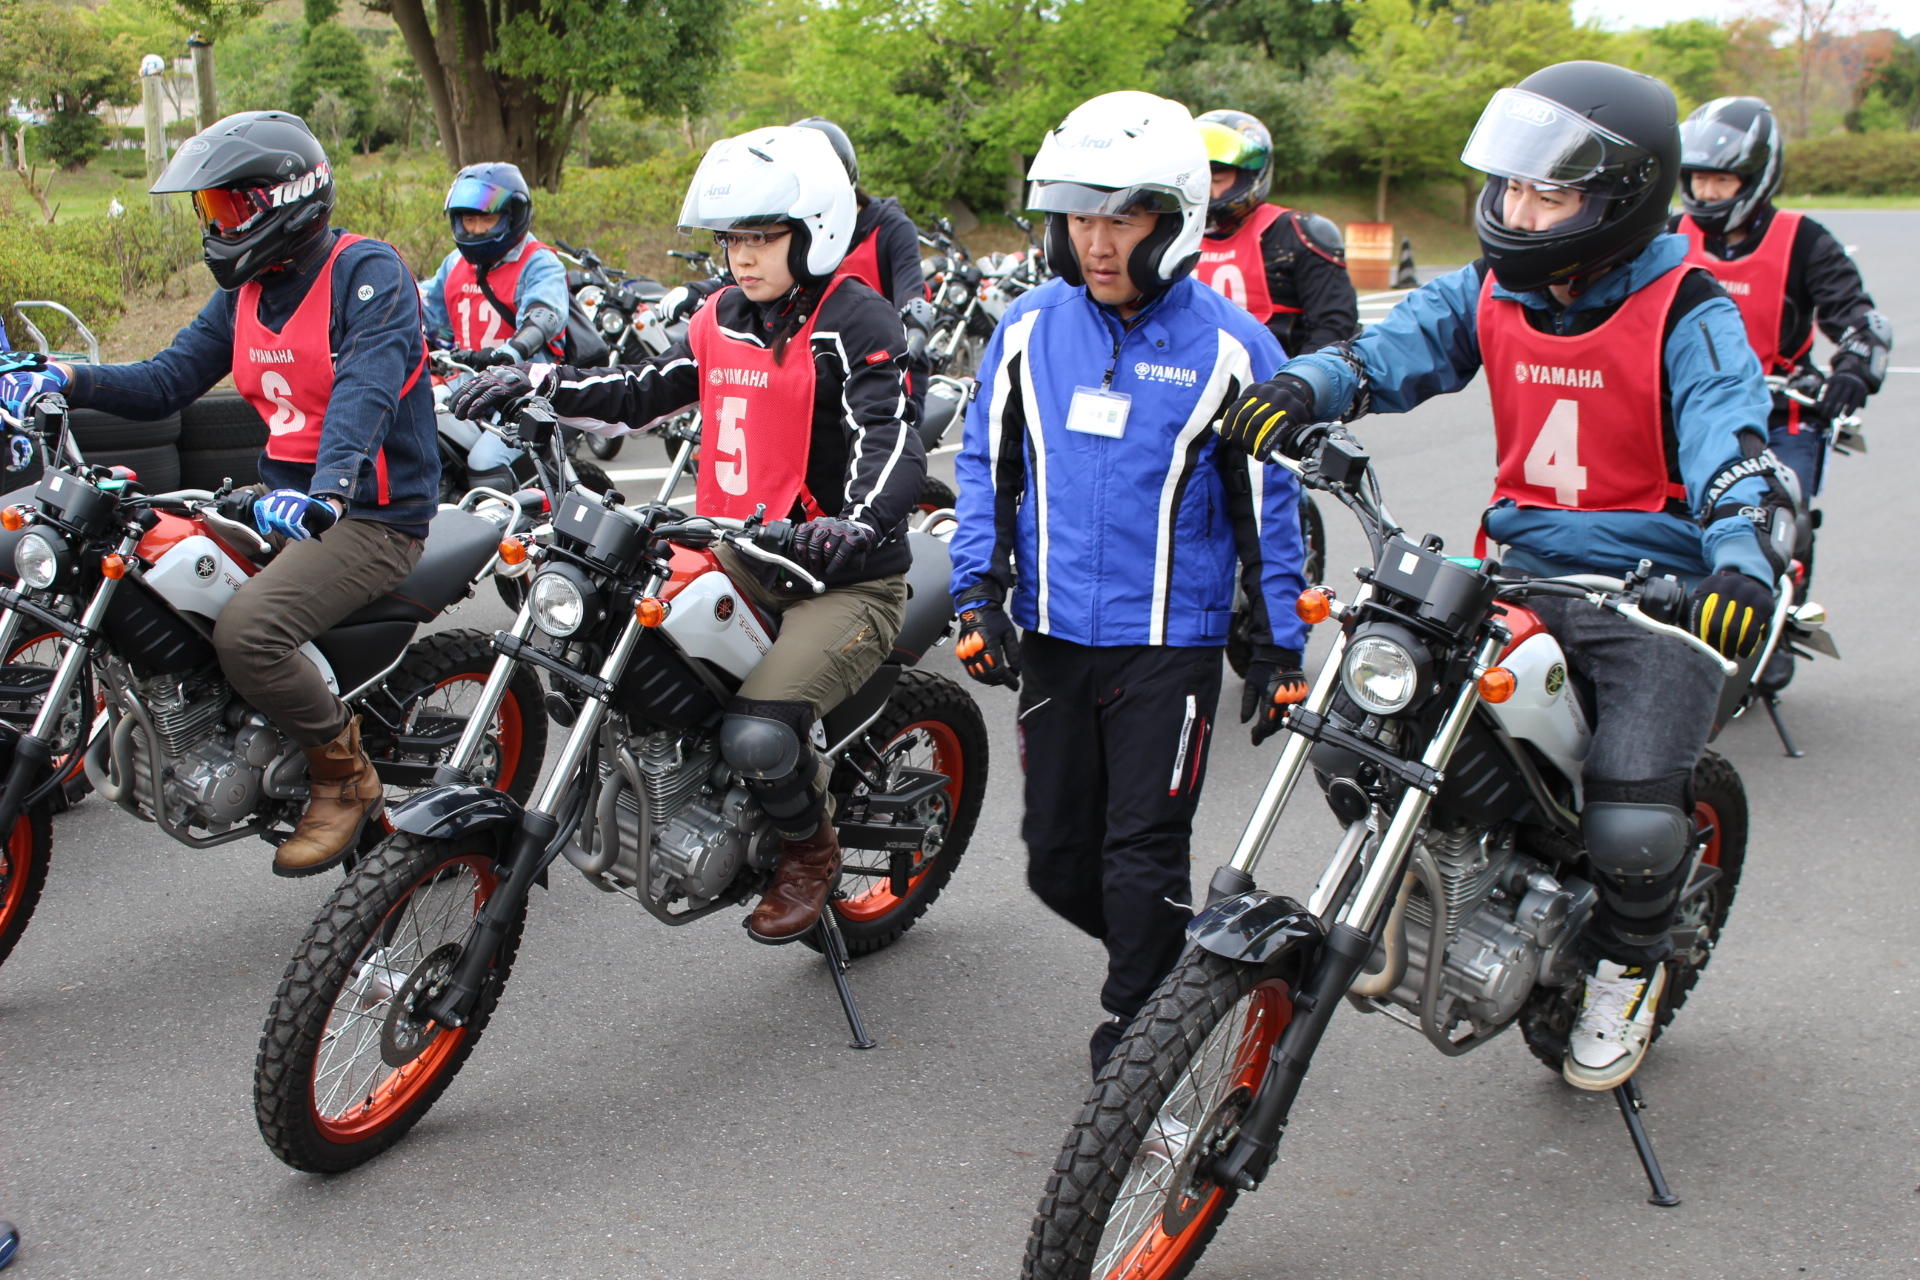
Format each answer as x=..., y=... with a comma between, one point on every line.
x=1099, y=412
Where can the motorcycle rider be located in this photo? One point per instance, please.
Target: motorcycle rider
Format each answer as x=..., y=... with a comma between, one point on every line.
x=1287, y=267
x=797, y=372
x=321, y=331
x=501, y=296
x=1628, y=413
x=1786, y=273
x=1099, y=515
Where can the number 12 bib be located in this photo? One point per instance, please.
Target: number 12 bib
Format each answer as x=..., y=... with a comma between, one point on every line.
x=1577, y=419
x=756, y=417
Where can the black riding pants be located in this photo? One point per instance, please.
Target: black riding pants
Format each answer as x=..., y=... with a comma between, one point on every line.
x=1113, y=741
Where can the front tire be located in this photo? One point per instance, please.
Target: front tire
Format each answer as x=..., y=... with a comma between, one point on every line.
x=1126, y=1197
x=347, y=1065
x=929, y=723
x=23, y=874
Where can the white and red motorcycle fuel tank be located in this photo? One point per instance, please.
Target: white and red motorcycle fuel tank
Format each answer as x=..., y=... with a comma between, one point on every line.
x=709, y=618
x=1544, y=709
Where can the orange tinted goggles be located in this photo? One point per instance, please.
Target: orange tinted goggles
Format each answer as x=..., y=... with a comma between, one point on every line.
x=230, y=211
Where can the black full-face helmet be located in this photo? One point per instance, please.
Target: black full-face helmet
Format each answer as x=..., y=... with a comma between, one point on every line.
x=262, y=189
x=1609, y=133
x=493, y=187
x=842, y=144
x=1730, y=135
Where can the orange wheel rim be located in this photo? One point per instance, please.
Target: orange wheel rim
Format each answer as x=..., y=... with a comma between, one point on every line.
x=13, y=861
x=1705, y=816
x=378, y=1099
x=67, y=764
x=508, y=720
x=876, y=898
x=1161, y=1248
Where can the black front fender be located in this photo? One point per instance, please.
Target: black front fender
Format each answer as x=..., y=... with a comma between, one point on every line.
x=1254, y=927
x=440, y=812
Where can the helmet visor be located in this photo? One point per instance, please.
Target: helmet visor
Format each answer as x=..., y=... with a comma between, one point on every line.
x=231, y=212
x=1103, y=202
x=1231, y=147
x=1523, y=135
x=1716, y=145
x=728, y=197
x=477, y=195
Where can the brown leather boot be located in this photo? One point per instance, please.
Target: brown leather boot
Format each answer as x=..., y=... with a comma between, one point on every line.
x=344, y=793
x=801, y=879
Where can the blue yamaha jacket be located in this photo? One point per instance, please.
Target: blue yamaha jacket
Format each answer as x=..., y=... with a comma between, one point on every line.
x=1430, y=344
x=1104, y=540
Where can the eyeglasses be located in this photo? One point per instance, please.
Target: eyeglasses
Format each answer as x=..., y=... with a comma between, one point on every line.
x=748, y=239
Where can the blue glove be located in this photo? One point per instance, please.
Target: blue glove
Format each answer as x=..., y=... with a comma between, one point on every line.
x=293, y=514
x=25, y=381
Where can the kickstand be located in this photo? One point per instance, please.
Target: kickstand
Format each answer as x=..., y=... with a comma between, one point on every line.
x=834, y=945
x=1771, y=702
x=1631, y=1105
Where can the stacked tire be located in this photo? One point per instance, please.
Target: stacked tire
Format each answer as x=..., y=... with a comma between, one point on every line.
x=221, y=436
x=151, y=450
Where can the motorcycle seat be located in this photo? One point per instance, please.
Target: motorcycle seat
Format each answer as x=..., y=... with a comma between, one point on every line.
x=929, y=607
x=458, y=544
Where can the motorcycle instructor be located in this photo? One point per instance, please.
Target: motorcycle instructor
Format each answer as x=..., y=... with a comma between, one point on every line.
x=1287, y=267
x=1786, y=273
x=321, y=331
x=1628, y=416
x=797, y=371
x=1100, y=515
x=501, y=296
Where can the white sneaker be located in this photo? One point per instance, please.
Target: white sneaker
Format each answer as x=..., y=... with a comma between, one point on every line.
x=1615, y=1024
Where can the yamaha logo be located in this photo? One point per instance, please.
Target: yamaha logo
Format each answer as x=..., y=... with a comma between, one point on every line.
x=1556, y=679
x=723, y=609
x=1555, y=375
x=203, y=568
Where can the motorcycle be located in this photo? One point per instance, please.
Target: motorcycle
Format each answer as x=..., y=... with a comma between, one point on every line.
x=964, y=317
x=471, y=459
x=1447, y=737
x=110, y=618
x=642, y=637
x=623, y=308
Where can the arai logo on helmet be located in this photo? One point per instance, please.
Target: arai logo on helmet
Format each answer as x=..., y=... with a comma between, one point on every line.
x=1531, y=111
x=303, y=186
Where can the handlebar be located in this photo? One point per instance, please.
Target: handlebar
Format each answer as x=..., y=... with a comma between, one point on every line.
x=748, y=538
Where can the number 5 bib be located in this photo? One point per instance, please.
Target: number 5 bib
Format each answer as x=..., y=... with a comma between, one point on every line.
x=756, y=417
x=1578, y=420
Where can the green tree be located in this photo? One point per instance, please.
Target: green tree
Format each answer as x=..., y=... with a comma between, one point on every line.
x=209, y=21
x=1291, y=105
x=332, y=64
x=1690, y=55
x=970, y=86
x=1893, y=84
x=512, y=79
x=1293, y=35
x=61, y=63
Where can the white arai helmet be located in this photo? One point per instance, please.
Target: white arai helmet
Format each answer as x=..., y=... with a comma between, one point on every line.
x=775, y=176
x=1121, y=151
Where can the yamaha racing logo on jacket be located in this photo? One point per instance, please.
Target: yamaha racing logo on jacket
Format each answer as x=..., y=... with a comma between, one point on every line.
x=1167, y=373
x=737, y=377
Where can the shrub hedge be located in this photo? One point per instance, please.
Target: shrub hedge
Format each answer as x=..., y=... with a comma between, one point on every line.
x=1854, y=164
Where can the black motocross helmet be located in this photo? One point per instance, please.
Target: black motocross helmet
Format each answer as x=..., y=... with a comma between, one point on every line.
x=493, y=187
x=1730, y=135
x=842, y=144
x=262, y=188
x=1604, y=131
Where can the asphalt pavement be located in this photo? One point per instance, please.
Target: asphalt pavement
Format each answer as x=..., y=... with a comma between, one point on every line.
x=655, y=1102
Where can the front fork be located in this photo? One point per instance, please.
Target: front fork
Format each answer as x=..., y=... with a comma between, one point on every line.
x=1331, y=967
x=535, y=840
x=26, y=779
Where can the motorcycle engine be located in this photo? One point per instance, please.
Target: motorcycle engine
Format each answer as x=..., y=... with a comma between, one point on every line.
x=1507, y=924
x=213, y=754
x=671, y=823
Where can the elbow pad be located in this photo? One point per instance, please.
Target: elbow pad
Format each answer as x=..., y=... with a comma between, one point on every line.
x=538, y=326
x=1865, y=348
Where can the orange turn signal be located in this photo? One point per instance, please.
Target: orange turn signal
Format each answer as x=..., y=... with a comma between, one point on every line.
x=1497, y=684
x=1314, y=606
x=513, y=551
x=12, y=518
x=650, y=611
x=113, y=566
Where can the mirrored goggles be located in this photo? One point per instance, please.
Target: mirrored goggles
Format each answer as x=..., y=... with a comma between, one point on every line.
x=230, y=212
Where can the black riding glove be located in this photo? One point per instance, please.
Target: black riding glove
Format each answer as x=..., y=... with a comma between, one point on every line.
x=822, y=546
x=1731, y=612
x=1273, y=417
x=1844, y=395
x=496, y=390
x=1275, y=681
x=988, y=646
x=483, y=359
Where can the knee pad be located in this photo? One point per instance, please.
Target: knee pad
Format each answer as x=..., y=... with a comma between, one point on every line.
x=1638, y=854
x=767, y=743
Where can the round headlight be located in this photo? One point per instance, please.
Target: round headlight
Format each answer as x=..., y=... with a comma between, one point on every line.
x=38, y=560
x=558, y=606
x=612, y=320
x=1381, y=675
